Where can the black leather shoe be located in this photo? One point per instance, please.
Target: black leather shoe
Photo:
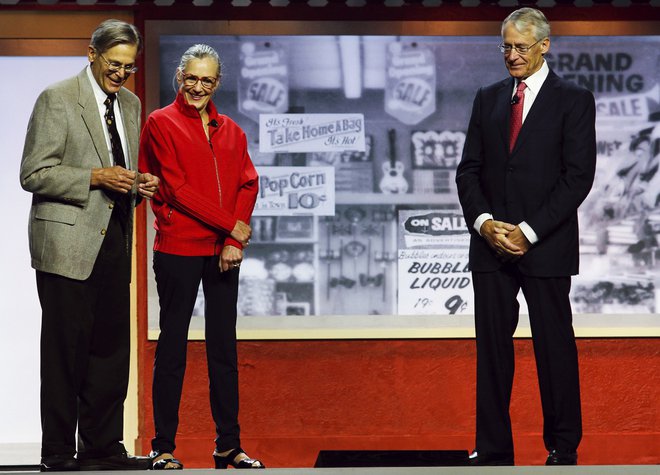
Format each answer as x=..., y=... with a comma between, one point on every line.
x=561, y=458
x=121, y=461
x=58, y=463
x=480, y=459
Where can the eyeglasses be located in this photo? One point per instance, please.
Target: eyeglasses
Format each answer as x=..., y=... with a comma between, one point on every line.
x=506, y=49
x=114, y=66
x=192, y=80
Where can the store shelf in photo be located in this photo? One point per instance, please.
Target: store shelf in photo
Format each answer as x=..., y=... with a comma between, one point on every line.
x=395, y=199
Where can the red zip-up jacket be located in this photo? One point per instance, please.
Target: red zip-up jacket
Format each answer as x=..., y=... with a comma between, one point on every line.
x=205, y=185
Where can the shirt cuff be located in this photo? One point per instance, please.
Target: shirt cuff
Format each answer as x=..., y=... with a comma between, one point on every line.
x=529, y=233
x=481, y=219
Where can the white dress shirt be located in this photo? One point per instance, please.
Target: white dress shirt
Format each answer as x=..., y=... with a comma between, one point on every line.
x=100, y=95
x=534, y=83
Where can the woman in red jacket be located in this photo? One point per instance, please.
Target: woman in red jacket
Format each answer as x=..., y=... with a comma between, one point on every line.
x=203, y=207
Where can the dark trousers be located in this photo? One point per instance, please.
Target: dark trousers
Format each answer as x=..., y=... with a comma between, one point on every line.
x=85, y=346
x=496, y=318
x=177, y=281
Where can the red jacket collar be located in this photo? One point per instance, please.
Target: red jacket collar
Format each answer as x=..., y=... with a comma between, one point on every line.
x=190, y=111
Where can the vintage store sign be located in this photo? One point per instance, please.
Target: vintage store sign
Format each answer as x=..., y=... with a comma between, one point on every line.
x=627, y=107
x=311, y=132
x=410, y=82
x=263, y=85
x=434, y=273
x=620, y=79
x=290, y=191
x=434, y=229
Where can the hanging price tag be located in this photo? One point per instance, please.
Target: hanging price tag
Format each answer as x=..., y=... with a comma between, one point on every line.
x=410, y=82
x=263, y=85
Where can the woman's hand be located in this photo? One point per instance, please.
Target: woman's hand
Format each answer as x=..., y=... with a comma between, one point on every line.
x=148, y=185
x=230, y=258
x=242, y=232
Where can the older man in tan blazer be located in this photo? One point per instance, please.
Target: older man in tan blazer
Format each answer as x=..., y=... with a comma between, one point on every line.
x=80, y=164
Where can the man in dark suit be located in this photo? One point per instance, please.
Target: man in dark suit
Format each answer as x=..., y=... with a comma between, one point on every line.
x=528, y=162
x=80, y=164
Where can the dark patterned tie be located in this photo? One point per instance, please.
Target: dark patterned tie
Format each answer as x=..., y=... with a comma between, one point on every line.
x=516, y=114
x=122, y=201
x=115, y=141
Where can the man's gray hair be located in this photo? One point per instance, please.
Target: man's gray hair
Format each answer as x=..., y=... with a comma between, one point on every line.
x=526, y=18
x=113, y=32
x=200, y=51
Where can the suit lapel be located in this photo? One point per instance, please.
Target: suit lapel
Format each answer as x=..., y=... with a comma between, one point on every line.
x=130, y=112
x=91, y=118
x=546, y=96
x=128, y=117
x=503, y=109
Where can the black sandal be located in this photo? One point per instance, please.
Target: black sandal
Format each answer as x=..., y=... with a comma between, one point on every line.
x=224, y=461
x=163, y=463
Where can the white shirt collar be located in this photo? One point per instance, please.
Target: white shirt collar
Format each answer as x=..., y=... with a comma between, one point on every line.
x=100, y=97
x=99, y=93
x=536, y=80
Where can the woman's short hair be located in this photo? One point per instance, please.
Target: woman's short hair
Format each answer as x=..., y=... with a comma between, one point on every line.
x=113, y=32
x=525, y=18
x=200, y=51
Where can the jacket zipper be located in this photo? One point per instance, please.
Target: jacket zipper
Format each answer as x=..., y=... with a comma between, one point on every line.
x=215, y=165
x=217, y=174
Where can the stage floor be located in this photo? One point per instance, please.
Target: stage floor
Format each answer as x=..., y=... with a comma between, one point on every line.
x=521, y=470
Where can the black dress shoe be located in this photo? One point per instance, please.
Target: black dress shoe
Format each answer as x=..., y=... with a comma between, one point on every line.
x=556, y=457
x=58, y=463
x=481, y=459
x=121, y=461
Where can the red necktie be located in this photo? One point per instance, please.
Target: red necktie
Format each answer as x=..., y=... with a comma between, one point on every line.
x=516, y=114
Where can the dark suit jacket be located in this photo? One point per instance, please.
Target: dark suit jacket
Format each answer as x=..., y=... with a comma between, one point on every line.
x=542, y=181
x=64, y=142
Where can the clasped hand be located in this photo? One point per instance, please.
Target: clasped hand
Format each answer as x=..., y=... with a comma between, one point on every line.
x=121, y=180
x=506, y=239
x=242, y=232
x=148, y=185
x=117, y=179
x=231, y=256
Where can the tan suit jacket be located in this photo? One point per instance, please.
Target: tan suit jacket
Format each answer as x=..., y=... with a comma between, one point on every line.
x=65, y=140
